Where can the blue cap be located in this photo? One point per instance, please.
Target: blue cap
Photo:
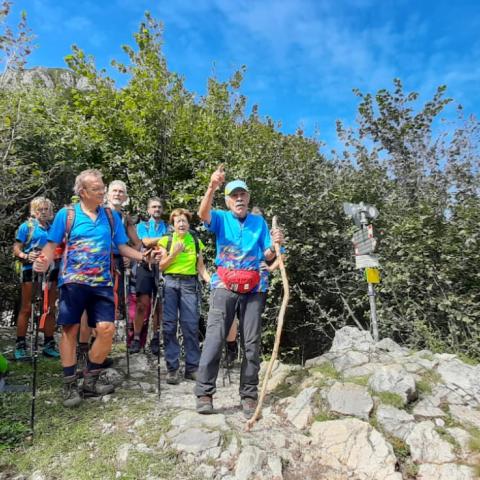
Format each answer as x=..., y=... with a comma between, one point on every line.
x=234, y=185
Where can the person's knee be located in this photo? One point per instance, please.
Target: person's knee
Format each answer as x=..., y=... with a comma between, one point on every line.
x=105, y=329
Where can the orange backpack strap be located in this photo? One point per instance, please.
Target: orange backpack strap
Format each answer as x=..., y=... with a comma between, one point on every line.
x=46, y=306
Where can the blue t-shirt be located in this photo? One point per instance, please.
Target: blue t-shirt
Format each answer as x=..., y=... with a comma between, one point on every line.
x=37, y=234
x=151, y=229
x=240, y=244
x=89, y=246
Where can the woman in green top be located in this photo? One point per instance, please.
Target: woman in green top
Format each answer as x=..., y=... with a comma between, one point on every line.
x=182, y=263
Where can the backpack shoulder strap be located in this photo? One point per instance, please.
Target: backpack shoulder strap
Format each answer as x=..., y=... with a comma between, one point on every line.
x=196, y=242
x=109, y=213
x=169, y=242
x=70, y=220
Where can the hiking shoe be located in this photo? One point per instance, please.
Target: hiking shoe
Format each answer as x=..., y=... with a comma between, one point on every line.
x=21, y=354
x=95, y=384
x=191, y=375
x=173, y=378
x=232, y=353
x=134, y=346
x=249, y=405
x=71, y=395
x=155, y=345
x=204, y=405
x=50, y=350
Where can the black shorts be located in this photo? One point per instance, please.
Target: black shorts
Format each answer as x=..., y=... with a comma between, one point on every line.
x=52, y=274
x=146, y=282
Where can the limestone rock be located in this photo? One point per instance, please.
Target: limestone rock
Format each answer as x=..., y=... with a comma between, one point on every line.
x=465, y=415
x=280, y=372
x=122, y=454
x=275, y=464
x=447, y=471
x=425, y=408
x=395, y=421
x=138, y=363
x=427, y=446
x=349, y=360
x=354, y=447
x=462, y=437
x=393, y=378
x=250, y=461
x=351, y=338
x=300, y=411
x=195, y=440
x=350, y=399
x=187, y=419
x=389, y=345
x=460, y=377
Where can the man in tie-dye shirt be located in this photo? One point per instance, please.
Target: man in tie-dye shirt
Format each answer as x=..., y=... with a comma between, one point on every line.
x=85, y=281
x=243, y=241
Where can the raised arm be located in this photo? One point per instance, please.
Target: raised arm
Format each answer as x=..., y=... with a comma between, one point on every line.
x=216, y=181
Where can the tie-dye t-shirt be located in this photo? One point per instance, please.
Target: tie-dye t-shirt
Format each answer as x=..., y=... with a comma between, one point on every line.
x=240, y=244
x=89, y=246
x=38, y=237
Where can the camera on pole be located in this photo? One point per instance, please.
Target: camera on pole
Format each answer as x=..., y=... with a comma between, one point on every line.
x=364, y=244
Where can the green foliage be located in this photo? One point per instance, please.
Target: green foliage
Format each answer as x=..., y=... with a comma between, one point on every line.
x=427, y=381
x=390, y=398
x=163, y=140
x=327, y=370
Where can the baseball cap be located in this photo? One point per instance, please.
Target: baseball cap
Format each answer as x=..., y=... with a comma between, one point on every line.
x=234, y=185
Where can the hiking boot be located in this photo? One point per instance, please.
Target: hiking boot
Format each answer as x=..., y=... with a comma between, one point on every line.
x=204, y=405
x=155, y=345
x=21, y=354
x=50, y=350
x=173, y=378
x=134, y=346
x=95, y=384
x=191, y=375
x=71, y=395
x=232, y=353
x=249, y=405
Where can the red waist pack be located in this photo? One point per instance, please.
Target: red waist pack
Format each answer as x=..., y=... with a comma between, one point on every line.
x=239, y=281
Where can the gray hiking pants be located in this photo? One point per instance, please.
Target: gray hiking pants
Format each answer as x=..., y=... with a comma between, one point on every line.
x=224, y=304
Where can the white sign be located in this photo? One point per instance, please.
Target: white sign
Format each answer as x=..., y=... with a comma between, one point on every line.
x=366, y=261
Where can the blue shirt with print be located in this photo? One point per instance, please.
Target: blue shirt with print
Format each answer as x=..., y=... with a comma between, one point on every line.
x=240, y=244
x=89, y=246
x=37, y=234
x=151, y=229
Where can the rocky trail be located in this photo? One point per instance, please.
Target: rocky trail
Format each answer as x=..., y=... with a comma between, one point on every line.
x=363, y=410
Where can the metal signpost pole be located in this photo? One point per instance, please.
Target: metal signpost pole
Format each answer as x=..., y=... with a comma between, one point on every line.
x=364, y=245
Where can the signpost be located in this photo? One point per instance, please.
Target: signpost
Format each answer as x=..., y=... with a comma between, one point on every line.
x=364, y=244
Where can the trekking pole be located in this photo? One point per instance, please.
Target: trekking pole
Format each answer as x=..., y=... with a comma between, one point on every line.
x=126, y=283
x=37, y=288
x=278, y=333
x=160, y=300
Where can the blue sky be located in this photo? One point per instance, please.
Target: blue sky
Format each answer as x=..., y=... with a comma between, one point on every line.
x=303, y=57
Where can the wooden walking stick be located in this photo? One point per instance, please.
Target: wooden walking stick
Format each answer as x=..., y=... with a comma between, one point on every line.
x=278, y=333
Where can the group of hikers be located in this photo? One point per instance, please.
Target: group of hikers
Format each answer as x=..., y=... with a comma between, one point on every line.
x=90, y=247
